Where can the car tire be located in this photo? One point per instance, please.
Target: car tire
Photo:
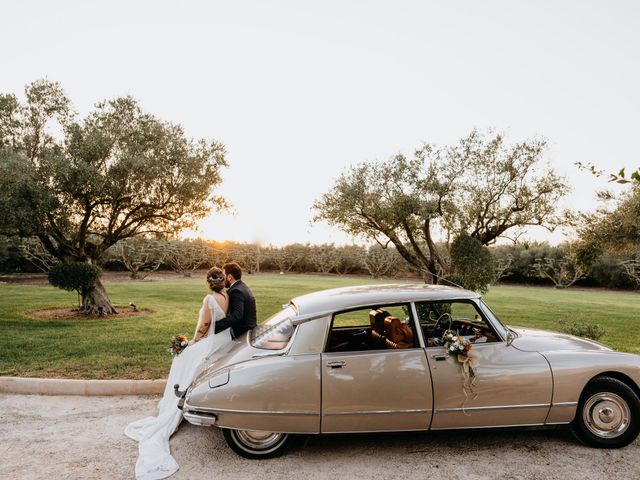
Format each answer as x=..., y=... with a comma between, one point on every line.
x=608, y=414
x=257, y=445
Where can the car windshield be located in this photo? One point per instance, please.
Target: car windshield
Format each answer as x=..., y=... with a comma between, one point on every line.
x=276, y=332
x=502, y=329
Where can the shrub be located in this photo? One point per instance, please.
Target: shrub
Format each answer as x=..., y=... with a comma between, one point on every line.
x=581, y=329
x=608, y=272
x=78, y=276
x=472, y=263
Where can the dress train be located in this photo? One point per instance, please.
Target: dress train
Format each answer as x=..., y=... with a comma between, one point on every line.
x=153, y=433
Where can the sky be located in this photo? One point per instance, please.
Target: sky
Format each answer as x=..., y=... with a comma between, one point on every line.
x=300, y=90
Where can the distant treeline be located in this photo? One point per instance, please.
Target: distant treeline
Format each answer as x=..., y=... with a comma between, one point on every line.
x=523, y=263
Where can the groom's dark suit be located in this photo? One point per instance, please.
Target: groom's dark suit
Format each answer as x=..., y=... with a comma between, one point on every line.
x=242, y=310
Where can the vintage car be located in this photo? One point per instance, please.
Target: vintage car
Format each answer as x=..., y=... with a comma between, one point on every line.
x=372, y=359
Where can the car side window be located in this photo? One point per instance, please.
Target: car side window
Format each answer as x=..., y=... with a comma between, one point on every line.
x=463, y=317
x=379, y=327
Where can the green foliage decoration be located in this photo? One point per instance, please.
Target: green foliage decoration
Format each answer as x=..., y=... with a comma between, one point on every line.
x=78, y=276
x=472, y=263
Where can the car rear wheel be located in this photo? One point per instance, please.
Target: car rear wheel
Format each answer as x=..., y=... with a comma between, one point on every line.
x=608, y=414
x=256, y=444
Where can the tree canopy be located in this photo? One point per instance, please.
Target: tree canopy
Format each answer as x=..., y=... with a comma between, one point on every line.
x=81, y=184
x=616, y=229
x=480, y=187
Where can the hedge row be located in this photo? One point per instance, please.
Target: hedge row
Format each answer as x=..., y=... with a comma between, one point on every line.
x=517, y=263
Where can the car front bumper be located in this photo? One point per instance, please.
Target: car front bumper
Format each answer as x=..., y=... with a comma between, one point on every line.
x=198, y=417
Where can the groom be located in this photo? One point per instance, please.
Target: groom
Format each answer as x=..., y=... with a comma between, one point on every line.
x=242, y=303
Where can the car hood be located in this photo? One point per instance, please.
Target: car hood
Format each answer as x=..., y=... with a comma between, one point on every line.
x=533, y=340
x=238, y=351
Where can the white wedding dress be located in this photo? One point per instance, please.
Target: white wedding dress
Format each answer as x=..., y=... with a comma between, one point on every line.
x=152, y=433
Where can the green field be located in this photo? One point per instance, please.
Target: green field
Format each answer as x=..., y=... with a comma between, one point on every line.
x=136, y=347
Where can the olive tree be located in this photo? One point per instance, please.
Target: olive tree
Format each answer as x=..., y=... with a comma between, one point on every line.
x=285, y=258
x=82, y=184
x=33, y=252
x=620, y=177
x=480, y=186
x=348, y=259
x=503, y=260
x=616, y=228
x=185, y=256
x=324, y=258
x=560, y=265
x=632, y=269
x=381, y=262
x=247, y=255
x=140, y=256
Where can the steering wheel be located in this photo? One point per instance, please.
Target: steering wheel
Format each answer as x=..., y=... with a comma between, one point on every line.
x=442, y=324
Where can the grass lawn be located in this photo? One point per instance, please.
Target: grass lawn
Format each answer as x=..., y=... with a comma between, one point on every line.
x=136, y=347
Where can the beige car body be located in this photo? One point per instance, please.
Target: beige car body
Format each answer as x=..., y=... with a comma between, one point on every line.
x=530, y=377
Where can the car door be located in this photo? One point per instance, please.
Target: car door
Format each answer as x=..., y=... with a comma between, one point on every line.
x=366, y=388
x=511, y=388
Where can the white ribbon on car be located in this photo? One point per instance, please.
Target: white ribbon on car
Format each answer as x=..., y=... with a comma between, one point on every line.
x=469, y=365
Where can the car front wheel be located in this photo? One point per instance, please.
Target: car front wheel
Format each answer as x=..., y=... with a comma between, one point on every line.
x=608, y=414
x=255, y=444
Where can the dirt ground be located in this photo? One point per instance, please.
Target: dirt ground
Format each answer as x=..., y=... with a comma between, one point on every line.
x=65, y=437
x=106, y=278
x=66, y=313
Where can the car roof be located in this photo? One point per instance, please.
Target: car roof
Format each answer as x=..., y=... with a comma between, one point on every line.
x=344, y=298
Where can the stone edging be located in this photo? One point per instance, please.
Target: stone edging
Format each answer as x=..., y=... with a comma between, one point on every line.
x=65, y=386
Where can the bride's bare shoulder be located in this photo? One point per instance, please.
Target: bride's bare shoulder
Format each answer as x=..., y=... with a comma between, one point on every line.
x=220, y=298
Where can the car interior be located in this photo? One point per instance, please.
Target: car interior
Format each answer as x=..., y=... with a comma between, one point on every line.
x=461, y=317
x=376, y=328
x=390, y=327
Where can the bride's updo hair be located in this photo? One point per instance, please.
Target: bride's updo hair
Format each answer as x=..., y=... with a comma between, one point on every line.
x=215, y=279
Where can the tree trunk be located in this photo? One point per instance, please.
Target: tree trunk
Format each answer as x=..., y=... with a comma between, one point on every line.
x=95, y=301
x=429, y=277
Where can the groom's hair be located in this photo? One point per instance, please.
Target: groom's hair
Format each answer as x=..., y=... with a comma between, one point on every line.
x=232, y=268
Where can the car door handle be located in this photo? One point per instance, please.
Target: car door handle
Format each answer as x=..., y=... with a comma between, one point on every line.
x=336, y=364
x=438, y=357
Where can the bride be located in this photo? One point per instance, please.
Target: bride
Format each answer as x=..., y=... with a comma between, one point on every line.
x=152, y=433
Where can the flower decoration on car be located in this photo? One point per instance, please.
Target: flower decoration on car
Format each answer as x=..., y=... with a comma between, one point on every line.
x=459, y=347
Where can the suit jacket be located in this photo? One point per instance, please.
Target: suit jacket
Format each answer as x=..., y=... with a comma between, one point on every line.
x=242, y=310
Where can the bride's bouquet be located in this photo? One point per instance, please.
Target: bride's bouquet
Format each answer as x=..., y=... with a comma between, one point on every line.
x=178, y=344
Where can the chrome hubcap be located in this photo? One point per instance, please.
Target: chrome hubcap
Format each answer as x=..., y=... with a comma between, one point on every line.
x=606, y=415
x=258, y=440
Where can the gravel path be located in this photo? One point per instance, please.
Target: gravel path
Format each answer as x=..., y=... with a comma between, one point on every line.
x=69, y=437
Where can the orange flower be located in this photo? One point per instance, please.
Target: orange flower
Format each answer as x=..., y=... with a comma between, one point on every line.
x=467, y=347
x=182, y=338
